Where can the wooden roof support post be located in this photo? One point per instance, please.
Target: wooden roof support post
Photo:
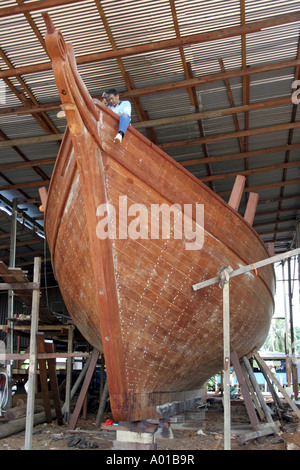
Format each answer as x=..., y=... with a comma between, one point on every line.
x=33, y=356
x=237, y=192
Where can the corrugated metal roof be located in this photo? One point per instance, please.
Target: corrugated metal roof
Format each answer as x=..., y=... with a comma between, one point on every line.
x=142, y=22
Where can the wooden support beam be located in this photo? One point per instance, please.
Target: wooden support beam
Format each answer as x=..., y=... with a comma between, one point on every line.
x=230, y=135
x=32, y=163
x=252, y=171
x=20, y=110
x=259, y=395
x=252, y=393
x=78, y=382
x=38, y=5
x=43, y=377
x=31, y=140
x=84, y=389
x=53, y=383
x=237, y=156
x=237, y=192
x=32, y=358
x=251, y=208
x=102, y=403
x=67, y=404
x=207, y=36
x=244, y=389
x=264, y=366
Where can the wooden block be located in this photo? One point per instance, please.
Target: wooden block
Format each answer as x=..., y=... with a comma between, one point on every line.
x=43, y=196
x=122, y=445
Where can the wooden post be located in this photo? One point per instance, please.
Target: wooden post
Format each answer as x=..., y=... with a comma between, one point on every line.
x=294, y=363
x=245, y=391
x=53, y=383
x=224, y=284
x=78, y=381
x=83, y=392
x=10, y=306
x=263, y=365
x=32, y=356
x=43, y=377
x=257, y=391
x=67, y=404
x=101, y=409
x=252, y=393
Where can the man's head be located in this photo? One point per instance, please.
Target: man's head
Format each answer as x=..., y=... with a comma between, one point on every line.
x=113, y=97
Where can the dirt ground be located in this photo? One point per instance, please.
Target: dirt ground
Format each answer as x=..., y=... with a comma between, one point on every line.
x=203, y=430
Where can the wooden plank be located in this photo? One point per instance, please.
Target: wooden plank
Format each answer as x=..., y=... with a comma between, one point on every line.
x=232, y=31
x=252, y=393
x=264, y=366
x=244, y=389
x=53, y=383
x=8, y=357
x=44, y=377
x=84, y=389
x=251, y=207
x=32, y=359
x=260, y=397
x=262, y=431
x=237, y=192
x=67, y=403
x=19, y=285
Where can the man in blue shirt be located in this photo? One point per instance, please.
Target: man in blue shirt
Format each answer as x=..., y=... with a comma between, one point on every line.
x=122, y=108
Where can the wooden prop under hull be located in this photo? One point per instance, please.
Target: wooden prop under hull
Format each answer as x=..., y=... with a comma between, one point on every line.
x=132, y=297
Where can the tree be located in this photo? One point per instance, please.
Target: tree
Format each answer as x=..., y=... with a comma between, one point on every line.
x=275, y=340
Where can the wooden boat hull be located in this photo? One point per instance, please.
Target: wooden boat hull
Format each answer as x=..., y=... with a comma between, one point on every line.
x=133, y=298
